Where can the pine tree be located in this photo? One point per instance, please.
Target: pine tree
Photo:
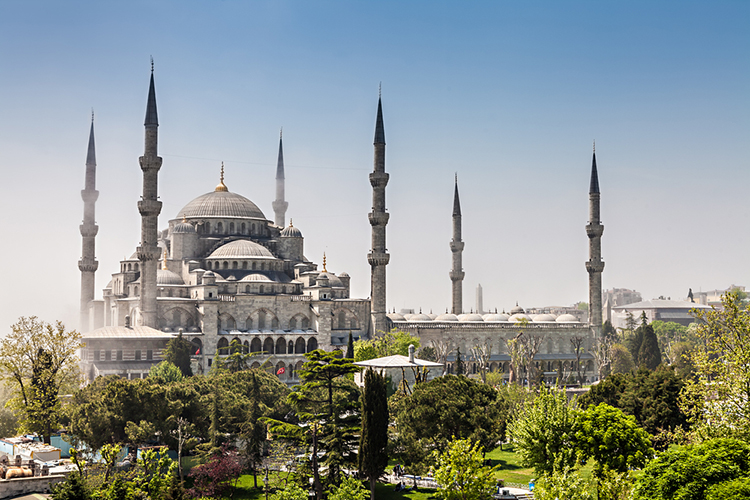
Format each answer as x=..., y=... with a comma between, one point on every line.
x=373, y=454
x=178, y=353
x=648, y=354
x=350, y=347
x=459, y=362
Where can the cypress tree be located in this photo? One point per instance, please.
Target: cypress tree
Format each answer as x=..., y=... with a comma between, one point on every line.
x=373, y=444
x=648, y=354
x=350, y=347
x=459, y=362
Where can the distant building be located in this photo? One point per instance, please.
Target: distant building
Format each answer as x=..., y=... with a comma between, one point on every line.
x=713, y=297
x=618, y=297
x=676, y=311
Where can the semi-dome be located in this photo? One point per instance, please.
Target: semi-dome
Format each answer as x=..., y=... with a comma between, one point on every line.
x=567, y=318
x=183, y=228
x=470, y=317
x=447, y=317
x=241, y=249
x=167, y=277
x=256, y=277
x=221, y=204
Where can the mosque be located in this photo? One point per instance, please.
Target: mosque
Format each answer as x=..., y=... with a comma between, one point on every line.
x=226, y=278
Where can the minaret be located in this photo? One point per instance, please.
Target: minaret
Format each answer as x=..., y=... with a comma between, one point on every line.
x=149, y=207
x=378, y=257
x=457, y=248
x=480, y=301
x=595, y=265
x=88, y=264
x=279, y=205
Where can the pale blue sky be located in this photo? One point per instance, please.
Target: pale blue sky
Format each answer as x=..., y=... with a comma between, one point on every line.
x=508, y=94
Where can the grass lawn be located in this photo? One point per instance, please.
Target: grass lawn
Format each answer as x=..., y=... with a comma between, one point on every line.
x=510, y=468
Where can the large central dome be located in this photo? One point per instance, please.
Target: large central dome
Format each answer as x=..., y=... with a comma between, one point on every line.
x=222, y=204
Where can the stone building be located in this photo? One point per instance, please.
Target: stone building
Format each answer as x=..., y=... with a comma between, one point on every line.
x=222, y=272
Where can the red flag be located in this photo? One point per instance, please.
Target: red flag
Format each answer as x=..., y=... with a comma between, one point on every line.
x=281, y=371
x=198, y=351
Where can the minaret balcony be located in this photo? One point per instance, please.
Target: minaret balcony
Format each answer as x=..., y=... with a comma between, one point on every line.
x=456, y=275
x=594, y=266
x=150, y=162
x=88, y=265
x=148, y=253
x=89, y=195
x=378, y=218
x=149, y=207
x=89, y=230
x=378, y=180
x=457, y=246
x=594, y=229
x=378, y=258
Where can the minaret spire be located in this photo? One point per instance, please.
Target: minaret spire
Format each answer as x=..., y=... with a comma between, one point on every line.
x=88, y=263
x=457, y=248
x=378, y=256
x=595, y=264
x=149, y=207
x=279, y=204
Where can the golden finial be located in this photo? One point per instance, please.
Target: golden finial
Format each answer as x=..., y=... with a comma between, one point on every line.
x=324, y=263
x=221, y=186
x=164, y=261
x=184, y=219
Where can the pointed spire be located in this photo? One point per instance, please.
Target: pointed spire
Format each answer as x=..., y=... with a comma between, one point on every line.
x=91, y=156
x=280, y=162
x=152, y=117
x=456, y=201
x=379, y=128
x=594, y=187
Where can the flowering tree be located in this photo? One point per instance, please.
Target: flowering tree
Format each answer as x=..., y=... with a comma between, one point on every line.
x=214, y=478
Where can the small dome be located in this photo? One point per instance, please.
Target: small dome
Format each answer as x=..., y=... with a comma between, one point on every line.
x=541, y=318
x=333, y=280
x=447, y=317
x=257, y=277
x=515, y=318
x=183, y=228
x=470, y=317
x=167, y=277
x=567, y=318
x=420, y=317
x=232, y=277
x=291, y=232
x=495, y=317
x=517, y=310
x=344, y=275
x=396, y=317
x=209, y=274
x=241, y=249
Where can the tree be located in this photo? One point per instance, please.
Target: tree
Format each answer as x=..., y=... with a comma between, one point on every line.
x=215, y=478
x=634, y=337
x=350, y=347
x=687, y=472
x=39, y=359
x=481, y=353
x=443, y=409
x=544, y=432
x=515, y=351
x=612, y=439
x=602, y=353
x=373, y=443
x=166, y=372
x=459, y=362
x=576, y=343
x=178, y=353
x=291, y=491
x=442, y=349
x=349, y=489
x=562, y=484
x=73, y=488
x=719, y=397
x=622, y=360
x=648, y=353
x=608, y=331
x=393, y=342
x=461, y=473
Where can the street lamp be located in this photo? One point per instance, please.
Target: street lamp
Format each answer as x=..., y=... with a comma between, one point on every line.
x=265, y=482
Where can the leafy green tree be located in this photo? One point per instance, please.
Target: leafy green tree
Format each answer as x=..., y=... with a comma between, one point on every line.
x=350, y=347
x=178, y=353
x=389, y=344
x=719, y=397
x=73, y=488
x=634, y=338
x=611, y=438
x=291, y=491
x=565, y=483
x=38, y=360
x=461, y=473
x=237, y=359
x=373, y=443
x=349, y=489
x=649, y=354
x=687, y=472
x=443, y=409
x=166, y=372
x=622, y=359
x=544, y=432
x=736, y=489
x=609, y=331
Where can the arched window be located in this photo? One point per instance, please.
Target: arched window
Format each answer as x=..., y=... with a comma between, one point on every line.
x=261, y=318
x=226, y=265
x=260, y=289
x=252, y=230
x=299, y=346
x=305, y=323
x=281, y=346
x=249, y=322
x=312, y=344
x=293, y=324
x=231, y=228
x=255, y=345
x=135, y=290
x=268, y=346
x=247, y=288
x=245, y=347
x=275, y=323
x=197, y=345
x=262, y=266
x=130, y=267
x=243, y=228
x=290, y=347
x=219, y=228
x=136, y=266
x=253, y=266
x=223, y=346
x=342, y=320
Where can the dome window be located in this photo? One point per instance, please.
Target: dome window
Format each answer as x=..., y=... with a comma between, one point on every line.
x=243, y=228
x=219, y=228
x=231, y=228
